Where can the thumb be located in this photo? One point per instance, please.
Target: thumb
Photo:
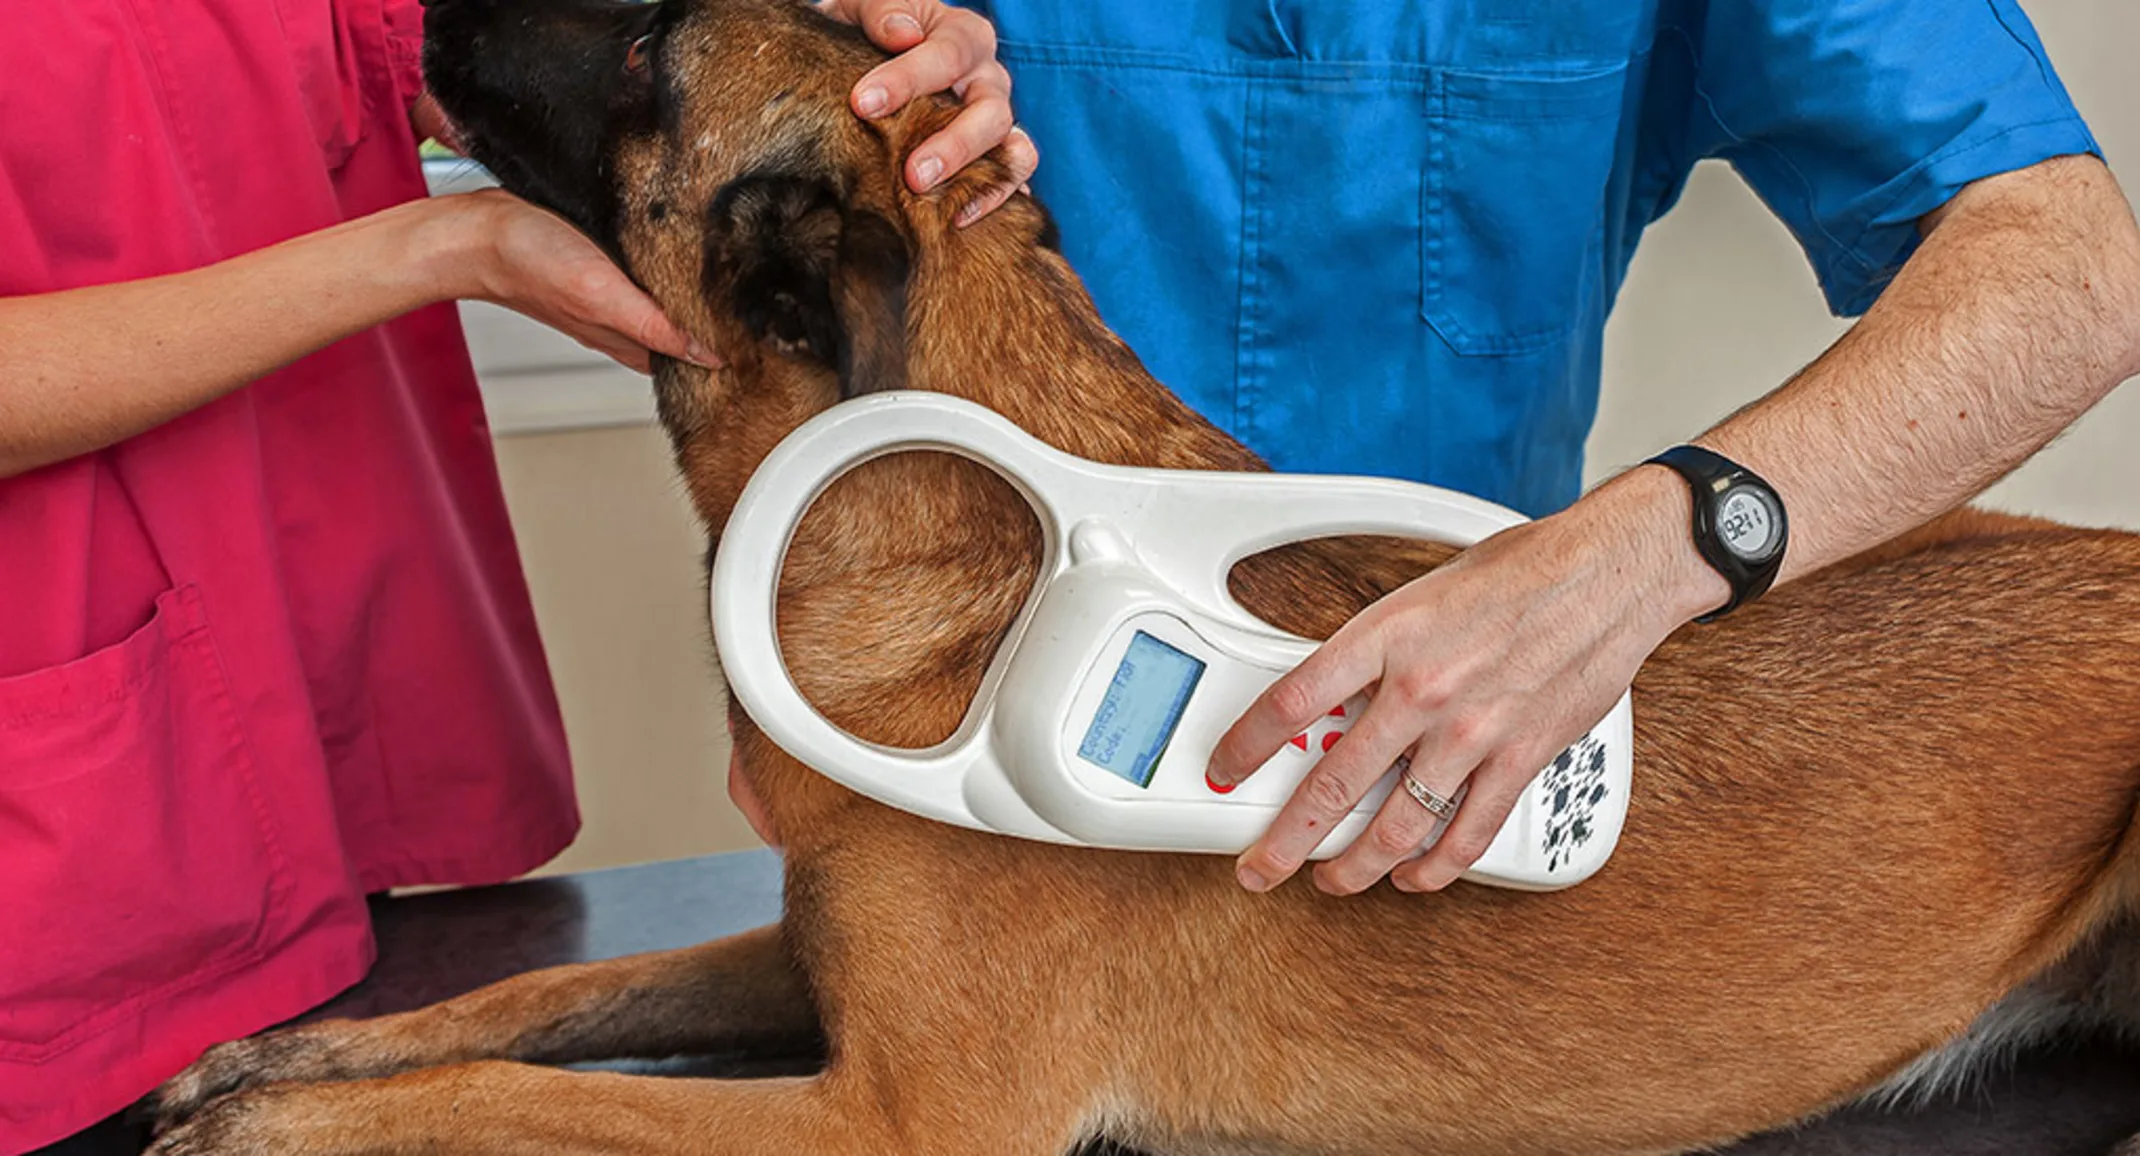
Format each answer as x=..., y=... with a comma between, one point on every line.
x=896, y=25
x=431, y=123
x=656, y=332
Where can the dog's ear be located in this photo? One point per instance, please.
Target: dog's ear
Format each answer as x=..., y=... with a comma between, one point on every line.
x=869, y=289
x=812, y=275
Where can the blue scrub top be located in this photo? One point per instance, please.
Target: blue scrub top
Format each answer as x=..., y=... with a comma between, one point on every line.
x=1376, y=237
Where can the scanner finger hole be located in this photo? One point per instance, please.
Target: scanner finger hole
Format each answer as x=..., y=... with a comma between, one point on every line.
x=1289, y=586
x=899, y=587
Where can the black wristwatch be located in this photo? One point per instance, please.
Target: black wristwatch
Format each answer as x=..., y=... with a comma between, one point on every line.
x=1739, y=523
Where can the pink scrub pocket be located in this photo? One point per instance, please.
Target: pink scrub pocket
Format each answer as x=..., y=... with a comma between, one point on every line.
x=137, y=858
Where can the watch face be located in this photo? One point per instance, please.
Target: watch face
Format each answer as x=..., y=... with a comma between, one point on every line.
x=1748, y=522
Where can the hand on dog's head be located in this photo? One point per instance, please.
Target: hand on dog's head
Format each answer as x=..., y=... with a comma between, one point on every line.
x=708, y=145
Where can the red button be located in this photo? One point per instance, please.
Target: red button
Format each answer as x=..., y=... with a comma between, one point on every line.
x=1226, y=790
x=1300, y=741
x=1330, y=740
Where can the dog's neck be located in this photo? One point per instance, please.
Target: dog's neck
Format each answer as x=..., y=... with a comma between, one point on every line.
x=888, y=640
x=998, y=318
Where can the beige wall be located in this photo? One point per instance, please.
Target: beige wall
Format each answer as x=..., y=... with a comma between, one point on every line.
x=1720, y=307
x=614, y=561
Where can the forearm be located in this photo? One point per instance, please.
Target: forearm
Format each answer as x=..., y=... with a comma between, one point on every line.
x=2019, y=312
x=85, y=368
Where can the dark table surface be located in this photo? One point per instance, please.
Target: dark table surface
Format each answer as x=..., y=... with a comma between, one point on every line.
x=2078, y=1101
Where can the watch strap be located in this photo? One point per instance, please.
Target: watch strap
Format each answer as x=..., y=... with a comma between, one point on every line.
x=1710, y=475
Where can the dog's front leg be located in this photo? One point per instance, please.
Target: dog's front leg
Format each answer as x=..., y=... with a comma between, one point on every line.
x=741, y=993
x=505, y=1109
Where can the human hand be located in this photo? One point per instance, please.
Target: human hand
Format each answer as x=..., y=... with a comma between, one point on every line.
x=745, y=797
x=1480, y=672
x=430, y=122
x=941, y=48
x=532, y=261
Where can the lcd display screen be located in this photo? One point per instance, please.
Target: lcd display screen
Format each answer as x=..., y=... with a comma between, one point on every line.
x=1143, y=705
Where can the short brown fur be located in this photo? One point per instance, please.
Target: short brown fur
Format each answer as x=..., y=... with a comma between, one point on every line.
x=1929, y=804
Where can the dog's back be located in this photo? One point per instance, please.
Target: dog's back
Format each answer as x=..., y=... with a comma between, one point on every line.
x=1865, y=810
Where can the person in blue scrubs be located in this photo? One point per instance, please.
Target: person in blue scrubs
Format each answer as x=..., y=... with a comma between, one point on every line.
x=1369, y=236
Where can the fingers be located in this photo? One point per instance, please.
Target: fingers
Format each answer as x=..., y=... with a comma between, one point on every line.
x=1338, y=669
x=538, y=264
x=983, y=124
x=747, y=801
x=627, y=330
x=431, y=123
x=940, y=49
x=1476, y=666
x=893, y=24
x=629, y=356
x=1495, y=788
x=1402, y=824
x=1022, y=158
x=1329, y=792
x=954, y=46
x=657, y=333
x=621, y=321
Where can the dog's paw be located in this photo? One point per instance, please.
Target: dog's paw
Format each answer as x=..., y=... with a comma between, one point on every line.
x=236, y=1124
x=293, y=1055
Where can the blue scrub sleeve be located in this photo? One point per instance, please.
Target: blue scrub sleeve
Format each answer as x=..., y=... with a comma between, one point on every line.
x=1853, y=118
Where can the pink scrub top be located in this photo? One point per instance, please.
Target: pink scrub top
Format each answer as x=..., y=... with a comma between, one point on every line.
x=275, y=654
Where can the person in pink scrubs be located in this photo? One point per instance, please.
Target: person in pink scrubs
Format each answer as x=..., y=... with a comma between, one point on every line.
x=263, y=650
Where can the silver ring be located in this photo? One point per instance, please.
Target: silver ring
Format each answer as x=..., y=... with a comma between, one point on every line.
x=1438, y=805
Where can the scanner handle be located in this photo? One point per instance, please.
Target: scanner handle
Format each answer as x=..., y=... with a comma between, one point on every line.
x=1207, y=520
x=1210, y=521
x=746, y=586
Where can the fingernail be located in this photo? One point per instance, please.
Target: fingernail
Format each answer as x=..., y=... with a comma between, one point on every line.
x=1404, y=885
x=928, y=170
x=872, y=101
x=901, y=22
x=701, y=356
x=1251, y=879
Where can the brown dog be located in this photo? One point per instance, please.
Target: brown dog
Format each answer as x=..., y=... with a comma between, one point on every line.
x=1925, y=822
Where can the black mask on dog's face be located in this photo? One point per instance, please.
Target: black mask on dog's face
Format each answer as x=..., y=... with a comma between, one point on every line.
x=539, y=89
x=709, y=146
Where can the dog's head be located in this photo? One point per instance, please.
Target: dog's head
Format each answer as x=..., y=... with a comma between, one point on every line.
x=709, y=145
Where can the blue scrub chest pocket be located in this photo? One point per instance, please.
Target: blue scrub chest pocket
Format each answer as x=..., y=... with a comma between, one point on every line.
x=1512, y=204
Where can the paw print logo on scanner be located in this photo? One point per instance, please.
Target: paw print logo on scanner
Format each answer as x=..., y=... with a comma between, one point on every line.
x=1572, y=788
